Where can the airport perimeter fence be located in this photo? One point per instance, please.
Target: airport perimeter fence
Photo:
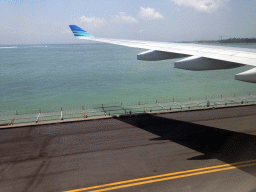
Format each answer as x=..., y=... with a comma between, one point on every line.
x=117, y=109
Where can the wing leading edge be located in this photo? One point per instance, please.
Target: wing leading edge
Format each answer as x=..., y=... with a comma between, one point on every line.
x=200, y=57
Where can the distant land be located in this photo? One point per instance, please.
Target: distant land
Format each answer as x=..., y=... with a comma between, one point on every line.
x=230, y=40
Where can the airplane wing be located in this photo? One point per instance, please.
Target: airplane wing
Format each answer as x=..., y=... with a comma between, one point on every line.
x=198, y=57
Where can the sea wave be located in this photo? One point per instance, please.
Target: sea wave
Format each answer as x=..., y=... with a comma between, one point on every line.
x=7, y=47
x=39, y=46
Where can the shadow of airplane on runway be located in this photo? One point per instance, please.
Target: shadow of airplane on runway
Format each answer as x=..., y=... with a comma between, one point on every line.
x=227, y=146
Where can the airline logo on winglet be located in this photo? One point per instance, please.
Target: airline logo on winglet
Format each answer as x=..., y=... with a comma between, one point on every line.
x=78, y=32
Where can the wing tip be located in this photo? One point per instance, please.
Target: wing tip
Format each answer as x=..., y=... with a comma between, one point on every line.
x=79, y=32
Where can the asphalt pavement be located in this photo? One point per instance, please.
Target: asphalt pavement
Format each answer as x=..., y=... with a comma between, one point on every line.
x=205, y=150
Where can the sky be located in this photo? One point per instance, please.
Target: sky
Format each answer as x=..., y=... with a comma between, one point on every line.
x=46, y=21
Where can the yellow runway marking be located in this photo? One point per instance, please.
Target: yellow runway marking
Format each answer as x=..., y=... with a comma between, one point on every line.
x=175, y=175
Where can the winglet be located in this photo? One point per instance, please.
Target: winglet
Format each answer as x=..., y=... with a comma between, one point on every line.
x=78, y=32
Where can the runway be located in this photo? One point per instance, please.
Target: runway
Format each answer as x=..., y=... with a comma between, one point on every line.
x=206, y=150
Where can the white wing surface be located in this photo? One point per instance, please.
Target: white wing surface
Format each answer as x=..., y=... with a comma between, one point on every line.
x=200, y=57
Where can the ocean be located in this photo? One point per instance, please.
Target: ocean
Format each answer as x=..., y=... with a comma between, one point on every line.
x=49, y=77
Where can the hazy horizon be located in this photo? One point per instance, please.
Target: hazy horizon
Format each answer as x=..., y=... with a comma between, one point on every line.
x=46, y=21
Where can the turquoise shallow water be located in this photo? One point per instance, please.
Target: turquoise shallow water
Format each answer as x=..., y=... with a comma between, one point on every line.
x=48, y=77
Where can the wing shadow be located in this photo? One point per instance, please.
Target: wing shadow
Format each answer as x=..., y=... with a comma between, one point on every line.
x=214, y=143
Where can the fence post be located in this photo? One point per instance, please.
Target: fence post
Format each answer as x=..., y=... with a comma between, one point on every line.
x=208, y=103
x=83, y=112
x=61, y=115
x=105, y=113
x=38, y=116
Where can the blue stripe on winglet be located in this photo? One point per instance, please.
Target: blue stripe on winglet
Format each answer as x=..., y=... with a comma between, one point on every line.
x=78, y=32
